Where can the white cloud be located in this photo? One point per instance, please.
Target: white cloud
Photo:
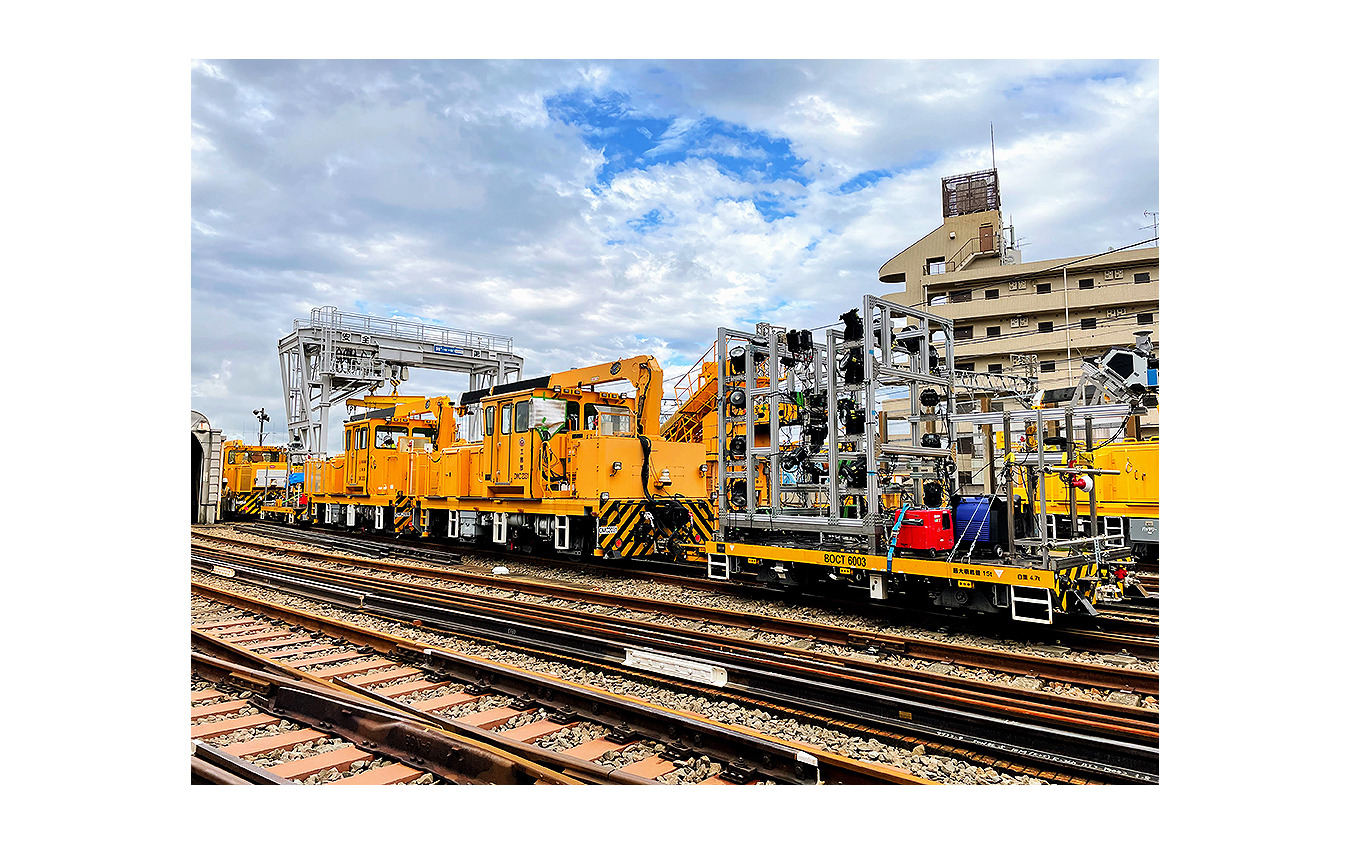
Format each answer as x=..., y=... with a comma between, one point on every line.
x=446, y=190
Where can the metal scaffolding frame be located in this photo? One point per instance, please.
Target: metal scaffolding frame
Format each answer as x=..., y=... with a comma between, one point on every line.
x=886, y=363
x=1040, y=464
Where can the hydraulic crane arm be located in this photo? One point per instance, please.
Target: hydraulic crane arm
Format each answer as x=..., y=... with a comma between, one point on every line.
x=643, y=372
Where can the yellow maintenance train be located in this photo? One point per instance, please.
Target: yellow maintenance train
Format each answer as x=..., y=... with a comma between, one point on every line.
x=547, y=463
x=772, y=469
x=252, y=477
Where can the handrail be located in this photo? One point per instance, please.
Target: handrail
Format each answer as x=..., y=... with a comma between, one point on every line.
x=955, y=264
x=331, y=319
x=692, y=379
x=687, y=386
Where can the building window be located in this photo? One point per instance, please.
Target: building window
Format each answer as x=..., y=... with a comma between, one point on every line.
x=936, y=266
x=964, y=478
x=1047, y=366
x=965, y=367
x=960, y=296
x=995, y=368
x=1140, y=278
x=1084, y=284
x=1146, y=319
x=1043, y=288
x=995, y=405
x=965, y=445
x=991, y=293
x=992, y=331
x=1045, y=327
x=964, y=332
x=1087, y=322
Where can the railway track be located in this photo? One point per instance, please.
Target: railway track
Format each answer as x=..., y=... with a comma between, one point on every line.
x=1112, y=742
x=1107, y=634
x=396, y=711
x=809, y=634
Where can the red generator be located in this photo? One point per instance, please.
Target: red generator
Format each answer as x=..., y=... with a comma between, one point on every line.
x=925, y=530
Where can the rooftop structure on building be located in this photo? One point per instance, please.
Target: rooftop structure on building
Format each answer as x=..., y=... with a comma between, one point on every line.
x=1010, y=317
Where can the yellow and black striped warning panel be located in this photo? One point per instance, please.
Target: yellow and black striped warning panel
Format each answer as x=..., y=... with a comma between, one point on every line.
x=249, y=503
x=615, y=524
x=629, y=528
x=1074, y=573
x=403, y=512
x=702, y=517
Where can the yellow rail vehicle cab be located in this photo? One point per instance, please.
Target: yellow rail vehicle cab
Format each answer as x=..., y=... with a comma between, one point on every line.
x=251, y=478
x=367, y=486
x=568, y=469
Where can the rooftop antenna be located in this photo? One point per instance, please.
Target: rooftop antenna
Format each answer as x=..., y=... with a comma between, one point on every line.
x=1154, y=215
x=992, y=160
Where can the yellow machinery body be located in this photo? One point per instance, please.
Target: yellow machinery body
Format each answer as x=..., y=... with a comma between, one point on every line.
x=1133, y=493
x=252, y=477
x=563, y=466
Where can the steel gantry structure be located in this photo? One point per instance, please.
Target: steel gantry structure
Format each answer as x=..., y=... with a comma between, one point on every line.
x=334, y=355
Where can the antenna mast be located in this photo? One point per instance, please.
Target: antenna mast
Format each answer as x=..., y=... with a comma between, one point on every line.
x=1154, y=215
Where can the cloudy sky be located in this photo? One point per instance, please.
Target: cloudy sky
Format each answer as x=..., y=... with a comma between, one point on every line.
x=594, y=210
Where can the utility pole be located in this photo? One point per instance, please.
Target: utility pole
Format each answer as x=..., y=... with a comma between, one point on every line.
x=261, y=413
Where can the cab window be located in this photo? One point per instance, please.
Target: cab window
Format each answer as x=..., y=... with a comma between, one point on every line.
x=522, y=416
x=386, y=437
x=615, y=421
x=348, y=446
x=592, y=414
x=574, y=416
x=429, y=433
x=489, y=419
x=361, y=437
x=506, y=419
x=237, y=457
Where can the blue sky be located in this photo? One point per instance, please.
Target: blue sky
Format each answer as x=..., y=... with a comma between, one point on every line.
x=600, y=209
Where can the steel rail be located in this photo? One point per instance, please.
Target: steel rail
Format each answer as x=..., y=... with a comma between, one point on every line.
x=213, y=766
x=1108, y=677
x=1139, y=641
x=1062, y=740
x=786, y=761
x=456, y=757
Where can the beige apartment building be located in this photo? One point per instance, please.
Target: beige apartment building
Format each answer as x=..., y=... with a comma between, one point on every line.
x=1005, y=311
